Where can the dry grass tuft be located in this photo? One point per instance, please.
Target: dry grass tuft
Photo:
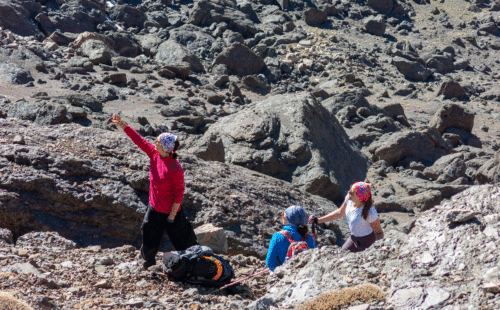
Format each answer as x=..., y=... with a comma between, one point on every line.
x=8, y=301
x=365, y=293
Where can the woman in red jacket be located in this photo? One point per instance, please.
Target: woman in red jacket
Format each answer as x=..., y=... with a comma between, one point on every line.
x=166, y=190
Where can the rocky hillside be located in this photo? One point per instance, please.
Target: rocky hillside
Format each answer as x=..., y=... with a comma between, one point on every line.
x=276, y=103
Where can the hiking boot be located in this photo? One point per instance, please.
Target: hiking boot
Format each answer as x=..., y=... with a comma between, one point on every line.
x=148, y=264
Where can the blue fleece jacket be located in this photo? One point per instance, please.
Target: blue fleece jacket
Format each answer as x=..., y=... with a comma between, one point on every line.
x=279, y=246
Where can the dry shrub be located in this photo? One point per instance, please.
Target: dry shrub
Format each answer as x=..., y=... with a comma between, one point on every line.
x=8, y=301
x=365, y=293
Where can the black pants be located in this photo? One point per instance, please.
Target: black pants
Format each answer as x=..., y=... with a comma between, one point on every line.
x=155, y=223
x=358, y=244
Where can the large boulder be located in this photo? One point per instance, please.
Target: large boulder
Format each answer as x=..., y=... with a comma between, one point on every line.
x=451, y=89
x=447, y=168
x=490, y=171
x=15, y=74
x=128, y=15
x=124, y=44
x=314, y=16
x=425, y=144
x=381, y=6
x=41, y=113
x=240, y=60
x=99, y=195
x=97, y=51
x=150, y=44
x=192, y=37
x=340, y=100
x=171, y=53
x=375, y=25
x=452, y=115
x=206, y=12
x=291, y=137
x=14, y=16
x=412, y=70
x=441, y=63
x=73, y=16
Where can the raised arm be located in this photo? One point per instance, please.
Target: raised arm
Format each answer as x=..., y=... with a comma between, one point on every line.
x=335, y=215
x=144, y=145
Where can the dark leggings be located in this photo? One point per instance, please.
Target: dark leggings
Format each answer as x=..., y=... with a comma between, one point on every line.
x=155, y=223
x=358, y=244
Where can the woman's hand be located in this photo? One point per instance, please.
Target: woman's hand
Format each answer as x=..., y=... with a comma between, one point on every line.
x=173, y=212
x=377, y=229
x=313, y=219
x=116, y=119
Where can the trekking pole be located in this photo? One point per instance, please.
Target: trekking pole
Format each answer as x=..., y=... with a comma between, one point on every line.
x=314, y=231
x=245, y=278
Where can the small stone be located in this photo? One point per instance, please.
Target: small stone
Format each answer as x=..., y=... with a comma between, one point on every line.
x=22, y=252
x=142, y=283
x=427, y=258
x=52, y=46
x=135, y=303
x=460, y=216
x=491, y=287
x=347, y=279
x=18, y=139
x=103, y=284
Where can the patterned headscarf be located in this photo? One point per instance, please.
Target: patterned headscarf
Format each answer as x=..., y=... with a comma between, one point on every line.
x=295, y=215
x=167, y=140
x=363, y=190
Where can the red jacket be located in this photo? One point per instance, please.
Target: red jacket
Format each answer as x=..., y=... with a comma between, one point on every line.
x=166, y=176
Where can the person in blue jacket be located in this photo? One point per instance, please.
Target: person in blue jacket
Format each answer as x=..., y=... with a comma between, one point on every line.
x=295, y=221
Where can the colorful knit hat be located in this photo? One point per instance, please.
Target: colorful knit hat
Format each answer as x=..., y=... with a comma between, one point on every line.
x=167, y=140
x=295, y=215
x=363, y=190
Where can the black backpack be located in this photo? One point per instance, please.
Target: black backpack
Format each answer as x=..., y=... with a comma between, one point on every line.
x=197, y=265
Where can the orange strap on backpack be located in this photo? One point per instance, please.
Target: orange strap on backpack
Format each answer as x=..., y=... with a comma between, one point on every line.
x=220, y=269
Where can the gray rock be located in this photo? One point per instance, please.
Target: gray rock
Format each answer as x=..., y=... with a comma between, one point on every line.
x=490, y=171
x=213, y=237
x=412, y=70
x=125, y=63
x=74, y=16
x=115, y=78
x=6, y=236
x=150, y=43
x=393, y=147
x=460, y=216
x=341, y=100
x=270, y=139
x=452, y=115
x=381, y=6
x=447, y=168
x=205, y=13
x=451, y=89
x=314, y=16
x=375, y=25
x=15, y=74
x=173, y=53
x=97, y=51
x=240, y=60
x=127, y=14
x=84, y=101
x=20, y=268
x=15, y=16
